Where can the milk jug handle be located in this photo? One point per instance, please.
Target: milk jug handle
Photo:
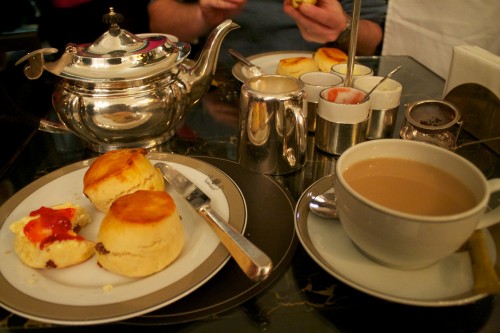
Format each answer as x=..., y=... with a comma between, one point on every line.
x=289, y=153
x=493, y=216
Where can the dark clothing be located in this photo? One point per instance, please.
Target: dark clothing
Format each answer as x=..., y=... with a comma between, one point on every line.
x=264, y=25
x=84, y=24
x=266, y=28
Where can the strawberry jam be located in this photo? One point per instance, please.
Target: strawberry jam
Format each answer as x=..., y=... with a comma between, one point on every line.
x=51, y=225
x=344, y=95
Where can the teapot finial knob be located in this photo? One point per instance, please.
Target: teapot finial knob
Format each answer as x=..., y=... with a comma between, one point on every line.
x=113, y=19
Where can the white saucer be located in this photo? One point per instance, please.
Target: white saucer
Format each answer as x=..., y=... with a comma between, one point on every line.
x=446, y=283
x=268, y=62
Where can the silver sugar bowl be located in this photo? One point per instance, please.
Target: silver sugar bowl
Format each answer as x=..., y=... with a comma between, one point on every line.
x=436, y=122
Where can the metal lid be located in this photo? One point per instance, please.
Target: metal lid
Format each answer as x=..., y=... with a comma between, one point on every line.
x=120, y=55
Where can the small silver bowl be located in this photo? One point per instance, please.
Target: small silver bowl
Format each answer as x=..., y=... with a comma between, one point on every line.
x=433, y=121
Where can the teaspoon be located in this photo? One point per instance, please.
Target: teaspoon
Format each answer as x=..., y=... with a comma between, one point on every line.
x=475, y=142
x=324, y=205
x=253, y=69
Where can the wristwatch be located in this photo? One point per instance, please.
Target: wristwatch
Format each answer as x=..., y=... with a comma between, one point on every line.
x=346, y=34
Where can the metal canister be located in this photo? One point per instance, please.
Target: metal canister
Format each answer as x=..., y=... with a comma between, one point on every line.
x=433, y=121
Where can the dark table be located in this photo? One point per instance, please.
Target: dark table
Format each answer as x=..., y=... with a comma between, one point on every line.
x=301, y=296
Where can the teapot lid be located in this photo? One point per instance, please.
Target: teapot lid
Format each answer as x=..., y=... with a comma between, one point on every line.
x=120, y=55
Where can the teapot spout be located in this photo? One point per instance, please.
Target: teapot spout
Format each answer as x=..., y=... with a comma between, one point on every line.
x=201, y=74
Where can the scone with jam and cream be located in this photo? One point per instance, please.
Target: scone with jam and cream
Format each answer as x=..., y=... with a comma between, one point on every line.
x=48, y=237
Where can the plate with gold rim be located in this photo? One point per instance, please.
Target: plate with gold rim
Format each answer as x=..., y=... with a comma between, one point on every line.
x=267, y=61
x=446, y=283
x=86, y=294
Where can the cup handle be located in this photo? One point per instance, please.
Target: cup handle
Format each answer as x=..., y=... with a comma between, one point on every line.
x=492, y=217
x=300, y=128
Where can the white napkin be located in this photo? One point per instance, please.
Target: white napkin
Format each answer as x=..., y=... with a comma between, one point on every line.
x=427, y=30
x=472, y=64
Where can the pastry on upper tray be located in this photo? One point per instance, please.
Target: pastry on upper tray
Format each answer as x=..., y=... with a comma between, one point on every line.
x=326, y=57
x=322, y=60
x=296, y=66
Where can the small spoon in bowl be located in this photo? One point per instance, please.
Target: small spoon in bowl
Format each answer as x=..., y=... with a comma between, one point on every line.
x=380, y=82
x=475, y=142
x=253, y=70
x=324, y=205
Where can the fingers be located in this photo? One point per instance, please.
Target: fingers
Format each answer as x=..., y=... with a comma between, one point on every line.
x=319, y=23
x=222, y=4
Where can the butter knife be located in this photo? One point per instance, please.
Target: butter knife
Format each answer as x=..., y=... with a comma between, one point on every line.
x=254, y=263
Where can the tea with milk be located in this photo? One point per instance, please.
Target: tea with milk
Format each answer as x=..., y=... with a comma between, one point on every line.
x=409, y=186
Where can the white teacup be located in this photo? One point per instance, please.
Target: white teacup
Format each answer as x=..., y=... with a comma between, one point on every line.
x=395, y=236
x=384, y=104
x=343, y=105
x=314, y=83
x=358, y=71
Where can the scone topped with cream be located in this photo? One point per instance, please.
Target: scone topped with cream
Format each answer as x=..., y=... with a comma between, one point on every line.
x=141, y=234
x=117, y=173
x=48, y=237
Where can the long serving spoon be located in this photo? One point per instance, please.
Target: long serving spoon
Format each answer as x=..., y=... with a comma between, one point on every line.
x=391, y=73
x=353, y=40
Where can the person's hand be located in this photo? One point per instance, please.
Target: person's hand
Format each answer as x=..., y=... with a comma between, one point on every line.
x=324, y=22
x=216, y=11
x=190, y=20
x=320, y=23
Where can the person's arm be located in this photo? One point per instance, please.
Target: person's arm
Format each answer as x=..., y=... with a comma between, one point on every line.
x=324, y=22
x=369, y=37
x=190, y=20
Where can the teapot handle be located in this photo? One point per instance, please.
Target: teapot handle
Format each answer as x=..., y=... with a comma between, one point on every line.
x=34, y=68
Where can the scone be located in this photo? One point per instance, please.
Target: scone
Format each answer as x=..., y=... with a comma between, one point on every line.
x=296, y=66
x=296, y=3
x=326, y=57
x=48, y=238
x=117, y=173
x=141, y=234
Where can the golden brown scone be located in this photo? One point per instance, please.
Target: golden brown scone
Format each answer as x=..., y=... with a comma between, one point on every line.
x=140, y=235
x=326, y=57
x=48, y=238
x=117, y=173
x=296, y=66
x=296, y=3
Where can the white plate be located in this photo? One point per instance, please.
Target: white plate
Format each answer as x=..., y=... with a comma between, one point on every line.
x=267, y=61
x=79, y=295
x=446, y=283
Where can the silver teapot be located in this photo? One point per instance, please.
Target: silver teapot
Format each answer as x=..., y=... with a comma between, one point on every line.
x=126, y=90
